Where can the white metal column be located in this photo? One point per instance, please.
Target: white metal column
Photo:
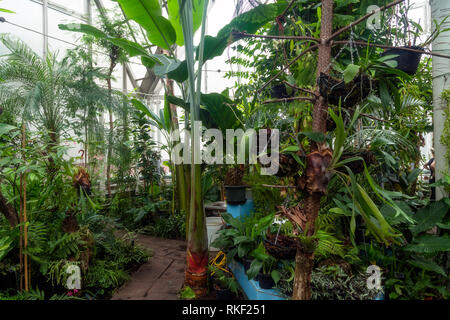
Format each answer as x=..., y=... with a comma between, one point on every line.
x=441, y=81
x=45, y=25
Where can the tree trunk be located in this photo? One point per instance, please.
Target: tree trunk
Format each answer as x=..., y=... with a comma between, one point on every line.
x=8, y=211
x=111, y=132
x=304, y=260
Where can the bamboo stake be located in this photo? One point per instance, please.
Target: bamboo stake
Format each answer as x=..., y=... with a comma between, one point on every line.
x=23, y=183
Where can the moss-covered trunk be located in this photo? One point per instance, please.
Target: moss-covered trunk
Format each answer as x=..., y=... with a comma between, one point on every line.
x=316, y=169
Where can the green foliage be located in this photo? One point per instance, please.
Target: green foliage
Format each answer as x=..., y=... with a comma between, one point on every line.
x=244, y=235
x=167, y=226
x=187, y=293
x=445, y=138
x=224, y=279
x=332, y=283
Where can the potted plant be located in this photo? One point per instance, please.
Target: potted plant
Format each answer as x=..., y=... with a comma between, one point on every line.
x=234, y=186
x=224, y=283
x=278, y=244
x=407, y=61
x=242, y=237
x=263, y=268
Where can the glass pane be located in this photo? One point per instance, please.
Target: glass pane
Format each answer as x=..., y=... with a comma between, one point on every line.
x=75, y=5
x=62, y=37
x=27, y=21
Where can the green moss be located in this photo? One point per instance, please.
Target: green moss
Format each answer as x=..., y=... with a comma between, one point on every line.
x=445, y=138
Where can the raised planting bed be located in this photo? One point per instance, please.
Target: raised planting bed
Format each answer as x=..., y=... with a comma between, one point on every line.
x=240, y=210
x=251, y=288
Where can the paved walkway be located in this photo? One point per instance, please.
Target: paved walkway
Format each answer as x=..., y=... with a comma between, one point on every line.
x=161, y=277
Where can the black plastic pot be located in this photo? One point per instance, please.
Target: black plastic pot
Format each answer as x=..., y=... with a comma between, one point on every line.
x=279, y=91
x=246, y=262
x=407, y=61
x=265, y=281
x=223, y=294
x=336, y=91
x=235, y=194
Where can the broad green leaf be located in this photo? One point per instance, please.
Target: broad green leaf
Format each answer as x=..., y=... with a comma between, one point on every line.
x=167, y=65
x=276, y=276
x=148, y=14
x=254, y=269
x=341, y=163
x=83, y=28
x=132, y=48
x=6, y=128
x=314, y=136
x=291, y=149
x=249, y=21
x=6, y=10
x=174, y=17
x=143, y=108
x=350, y=72
x=429, y=244
x=428, y=265
x=167, y=114
x=428, y=216
x=217, y=111
x=339, y=136
x=5, y=247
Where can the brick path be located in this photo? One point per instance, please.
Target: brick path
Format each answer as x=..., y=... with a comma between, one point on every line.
x=161, y=277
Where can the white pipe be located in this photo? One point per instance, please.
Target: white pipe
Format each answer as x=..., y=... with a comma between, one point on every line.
x=441, y=80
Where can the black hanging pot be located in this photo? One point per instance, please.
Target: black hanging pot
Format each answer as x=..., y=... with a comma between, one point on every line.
x=235, y=194
x=223, y=294
x=349, y=94
x=279, y=91
x=265, y=281
x=284, y=249
x=407, y=61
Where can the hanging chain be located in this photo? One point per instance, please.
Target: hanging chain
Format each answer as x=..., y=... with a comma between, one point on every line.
x=353, y=45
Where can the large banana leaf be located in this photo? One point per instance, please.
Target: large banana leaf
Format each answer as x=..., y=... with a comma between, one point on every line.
x=148, y=14
x=249, y=22
x=174, y=17
x=216, y=111
x=132, y=48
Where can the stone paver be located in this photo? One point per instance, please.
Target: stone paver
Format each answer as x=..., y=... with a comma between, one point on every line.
x=161, y=277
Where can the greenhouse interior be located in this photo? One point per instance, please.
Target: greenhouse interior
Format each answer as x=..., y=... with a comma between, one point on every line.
x=224, y=150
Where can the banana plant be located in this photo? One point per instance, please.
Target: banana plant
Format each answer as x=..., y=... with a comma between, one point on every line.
x=197, y=240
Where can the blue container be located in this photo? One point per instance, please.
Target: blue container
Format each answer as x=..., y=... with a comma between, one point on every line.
x=251, y=288
x=241, y=210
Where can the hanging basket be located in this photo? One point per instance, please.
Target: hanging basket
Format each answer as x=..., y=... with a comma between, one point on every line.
x=357, y=166
x=350, y=94
x=407, y=61
x=279, y=91
x=288, y=166
x=285, y=247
